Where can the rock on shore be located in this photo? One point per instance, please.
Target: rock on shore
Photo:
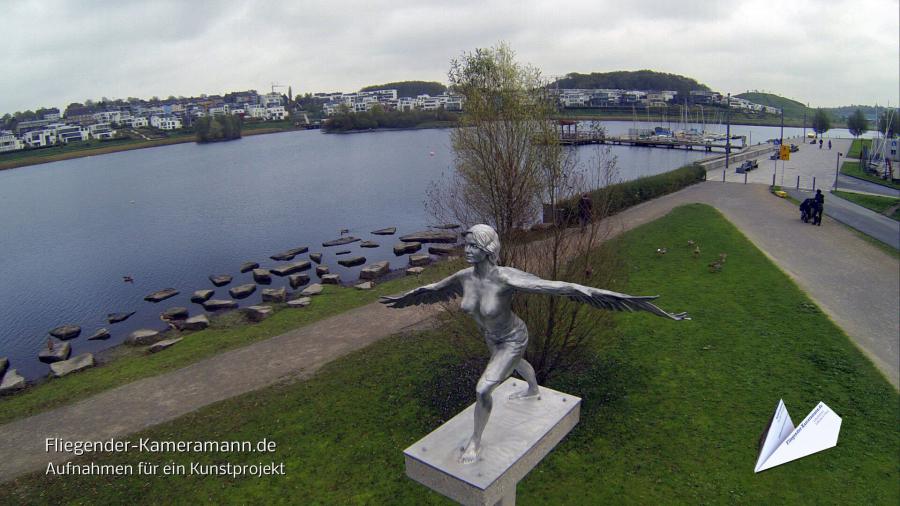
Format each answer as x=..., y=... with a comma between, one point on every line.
x=217, y=304
x=445, y=250
x=285, y=269
x=165, y=343
x=313, y=289
x=262, y=276
x=419, y=260
x=368, y=244
x=322, y=270
x=406, y=247
x=100, y=335
x=331, y=279
x=274, y=294
x=385, y=231
x=289, y=254
x=248, y=266
x=175, y=313
x=74, y=364
x=298, y=280
x=375, y=270
x=12, y=381
x=351, y=262
x=433, y=236
x=221, y=279
x=66, y=332
x=161, y=295
x=201, y=296
x=242, y=291
x=258, y=313
x=60, y=352
x=316, y=257
x=298, y=303
x=199, y=322
x=119, y=317
x=143, y=337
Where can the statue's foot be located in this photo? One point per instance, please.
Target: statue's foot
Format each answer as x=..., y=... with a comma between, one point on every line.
x=526, y=394
x=470, y=453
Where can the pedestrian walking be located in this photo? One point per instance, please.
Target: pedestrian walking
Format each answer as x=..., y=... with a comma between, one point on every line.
x=829, y=144
x=584, y=210
x=820, y=143
x=820, y=208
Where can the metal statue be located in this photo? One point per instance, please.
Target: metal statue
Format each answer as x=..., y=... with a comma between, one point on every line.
x=487, y=289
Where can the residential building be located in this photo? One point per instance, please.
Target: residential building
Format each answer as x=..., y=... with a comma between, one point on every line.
x=276, y=113
x=9, y=142
x=68, y=133
x=40, y=138
x=102, y=131
x=165, y=122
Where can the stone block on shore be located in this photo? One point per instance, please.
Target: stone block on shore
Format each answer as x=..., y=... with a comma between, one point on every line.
x=143, y=337
x=385, y=231
x=298, y=280
x=403, y=248
x=218, y=304
x=352, y=262
x=415, y=271
x=322, y=270
x=12, y=381
x=175, y=313
x=201, y=296
x=258, y=313
x=299, y=303
x=249, y=266
x=331, y=279
x=100, y=335
x=198, y=322
x=313, y=289
x=74, y=364
x=262, y=276
x=66, y=332
x=165, y=343
x=375, y=270
x=285, y=269
x=161, y=295
x=118, y=317
x=242, y=291
x=60, y=352
x=431, y=236
x=220, y=279
x=274, y=294
x=316, y=257
x=419, y=260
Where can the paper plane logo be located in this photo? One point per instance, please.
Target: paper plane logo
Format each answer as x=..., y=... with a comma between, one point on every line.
x=781, y=442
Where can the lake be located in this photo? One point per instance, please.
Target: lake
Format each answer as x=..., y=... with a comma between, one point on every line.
x=171, y=216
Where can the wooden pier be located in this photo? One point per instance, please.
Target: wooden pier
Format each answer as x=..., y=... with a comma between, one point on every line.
x=569, y=136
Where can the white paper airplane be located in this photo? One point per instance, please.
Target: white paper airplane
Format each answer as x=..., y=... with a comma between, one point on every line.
x=781, y=442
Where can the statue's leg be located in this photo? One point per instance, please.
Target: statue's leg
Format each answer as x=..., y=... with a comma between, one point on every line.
x=483, y=405
x=527, y=373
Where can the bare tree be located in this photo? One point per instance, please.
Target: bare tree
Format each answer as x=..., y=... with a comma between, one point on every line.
x=508, y=162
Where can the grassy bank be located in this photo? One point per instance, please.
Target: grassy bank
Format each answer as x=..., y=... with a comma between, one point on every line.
x=855, y=150
x=854, y=169
x=94, y=148
x=874, y=202
x=671, y=410
x=226, y=332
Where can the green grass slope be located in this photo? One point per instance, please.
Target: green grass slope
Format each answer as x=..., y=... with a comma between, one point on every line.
x=671, y=410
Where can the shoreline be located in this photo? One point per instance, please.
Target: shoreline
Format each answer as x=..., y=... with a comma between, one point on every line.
x=117, y=148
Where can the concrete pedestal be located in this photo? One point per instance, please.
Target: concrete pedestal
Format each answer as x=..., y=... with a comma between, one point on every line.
x=518, y=435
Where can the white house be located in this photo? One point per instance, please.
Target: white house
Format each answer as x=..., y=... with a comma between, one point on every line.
x=40, y=138
x=165, y=122
x=135, y=122
x=277, y=113
x=255, y=111
x=9, y=142
x=220, y=110
x=270, y=100
x=102, y=131
x=69, y=133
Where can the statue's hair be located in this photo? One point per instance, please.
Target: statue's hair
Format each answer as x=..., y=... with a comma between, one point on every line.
x=487, y=240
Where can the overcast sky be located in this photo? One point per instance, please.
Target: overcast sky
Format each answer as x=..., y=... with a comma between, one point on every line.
x=824, y=52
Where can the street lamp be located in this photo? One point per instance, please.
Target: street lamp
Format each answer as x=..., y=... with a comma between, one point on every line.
x=837, y=166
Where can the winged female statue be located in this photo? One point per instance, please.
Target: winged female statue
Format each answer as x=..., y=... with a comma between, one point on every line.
x=487, y=289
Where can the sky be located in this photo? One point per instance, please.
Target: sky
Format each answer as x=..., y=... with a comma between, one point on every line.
x=826, y=53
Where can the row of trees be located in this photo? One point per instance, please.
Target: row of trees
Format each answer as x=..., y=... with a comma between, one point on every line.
x=858, y=124
x=218, y=128
x=379, y=118
x=627, y=80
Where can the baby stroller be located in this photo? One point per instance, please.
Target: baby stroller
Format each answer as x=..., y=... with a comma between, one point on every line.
x=807, y=210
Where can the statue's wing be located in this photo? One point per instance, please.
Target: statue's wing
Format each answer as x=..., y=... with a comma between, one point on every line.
x=423, y=295
x=605, y=299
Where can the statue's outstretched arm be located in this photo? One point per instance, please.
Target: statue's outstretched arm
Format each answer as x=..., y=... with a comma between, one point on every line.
x=444, y=290
x=603, y=299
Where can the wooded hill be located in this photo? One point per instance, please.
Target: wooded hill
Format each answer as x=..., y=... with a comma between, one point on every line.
x=410, y=88
x=630, y=80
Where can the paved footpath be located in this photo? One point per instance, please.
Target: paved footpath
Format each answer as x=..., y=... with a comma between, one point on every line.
x=869, y=222
x=855, y=283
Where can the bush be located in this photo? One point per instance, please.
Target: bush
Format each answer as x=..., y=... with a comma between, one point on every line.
x=621, y=196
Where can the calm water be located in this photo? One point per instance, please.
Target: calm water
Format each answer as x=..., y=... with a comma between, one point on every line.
x=171, y=216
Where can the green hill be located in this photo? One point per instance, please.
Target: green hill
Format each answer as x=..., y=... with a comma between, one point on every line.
x=792, y=108
x=410, y=88
x=628, y=80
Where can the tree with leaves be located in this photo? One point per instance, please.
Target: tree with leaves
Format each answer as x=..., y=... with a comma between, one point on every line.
x=857, y=123
x=821, y=122
x=887, y=122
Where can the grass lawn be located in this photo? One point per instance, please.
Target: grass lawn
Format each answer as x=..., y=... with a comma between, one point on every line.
x=873, y=202
x=856, y=147
x=671, y=410
x=853, y=169
x=227, y=332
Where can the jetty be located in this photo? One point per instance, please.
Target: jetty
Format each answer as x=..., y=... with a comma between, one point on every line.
x=570, y=136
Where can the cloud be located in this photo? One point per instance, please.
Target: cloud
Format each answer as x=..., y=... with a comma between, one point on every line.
x=825, y=53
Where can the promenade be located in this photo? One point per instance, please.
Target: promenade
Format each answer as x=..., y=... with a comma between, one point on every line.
x=852, y=281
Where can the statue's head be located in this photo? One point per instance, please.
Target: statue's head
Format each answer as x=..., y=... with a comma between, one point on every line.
x=485, y=238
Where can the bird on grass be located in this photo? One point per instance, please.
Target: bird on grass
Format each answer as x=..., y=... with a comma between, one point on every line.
x=661, y=251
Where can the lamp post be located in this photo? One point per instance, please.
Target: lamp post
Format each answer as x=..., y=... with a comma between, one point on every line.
x=837, y=166
x=727, y=130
